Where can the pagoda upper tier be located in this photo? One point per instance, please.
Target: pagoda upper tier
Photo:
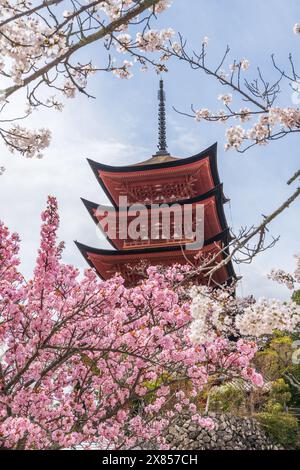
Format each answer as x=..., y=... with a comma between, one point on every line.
x=161, y=179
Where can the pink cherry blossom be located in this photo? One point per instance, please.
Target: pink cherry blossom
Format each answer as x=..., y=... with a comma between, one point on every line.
x=80, y=356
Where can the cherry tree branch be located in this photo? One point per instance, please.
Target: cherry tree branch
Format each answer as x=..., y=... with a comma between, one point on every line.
x=260, y=94
x=103, y=32
x=243, y=242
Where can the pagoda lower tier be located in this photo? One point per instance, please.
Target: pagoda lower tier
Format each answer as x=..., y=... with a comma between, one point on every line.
x=214, y=221
x=131, y=263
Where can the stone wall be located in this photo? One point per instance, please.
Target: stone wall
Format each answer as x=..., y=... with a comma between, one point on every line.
x=230, y=433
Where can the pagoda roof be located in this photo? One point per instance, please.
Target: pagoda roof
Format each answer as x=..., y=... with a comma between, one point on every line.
x=160, y=161
x=108, y=262
x=190, y=176
x=214, y=198
x=156, y=159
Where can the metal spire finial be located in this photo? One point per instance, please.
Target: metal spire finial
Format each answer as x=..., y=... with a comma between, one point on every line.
x=162, y=137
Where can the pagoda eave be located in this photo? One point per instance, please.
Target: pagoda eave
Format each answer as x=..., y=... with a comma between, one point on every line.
x=214, y=216
x=127, y=262
x=193, y=175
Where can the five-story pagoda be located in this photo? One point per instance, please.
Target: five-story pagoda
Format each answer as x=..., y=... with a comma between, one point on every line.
x=151, y=188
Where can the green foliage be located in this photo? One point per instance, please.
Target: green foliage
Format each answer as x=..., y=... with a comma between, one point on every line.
x=294, y=373
x=296, y=296
x=280, y=391
x=269, y=405
x=276, y=359
x=283, y=346
x=275, y=362
x=282, y=427
x=269, y=364
x=226, y=398
x=279, y=396
x=153, y=385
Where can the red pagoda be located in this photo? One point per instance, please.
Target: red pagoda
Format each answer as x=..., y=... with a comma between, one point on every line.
x=156, y=184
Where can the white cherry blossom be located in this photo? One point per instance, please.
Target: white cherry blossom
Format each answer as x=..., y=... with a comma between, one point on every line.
x=38, y=47
x=226, y=99
x=235, y=136
x=245, y=64
x=296, y=28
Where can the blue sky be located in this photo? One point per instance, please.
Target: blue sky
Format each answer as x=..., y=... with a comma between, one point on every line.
x=120, y=127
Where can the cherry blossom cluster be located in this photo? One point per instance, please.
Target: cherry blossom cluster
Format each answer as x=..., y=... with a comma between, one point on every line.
x=282, y=277
x=214, y=313
x=265, y=316
x=153, y=40
x=23, y=42
x=162, y=5
x=220, y=313
x=283, y=118
x=296, y=28
x=80, y=356
x=124, y=70
x=26, y=142
x=113, y=8
x=235, y=136
x=206, y=311
x=226, y=99
x=202, y=114
x=150, y=41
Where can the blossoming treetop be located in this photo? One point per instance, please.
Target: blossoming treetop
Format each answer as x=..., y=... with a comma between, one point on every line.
x=80, y=356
